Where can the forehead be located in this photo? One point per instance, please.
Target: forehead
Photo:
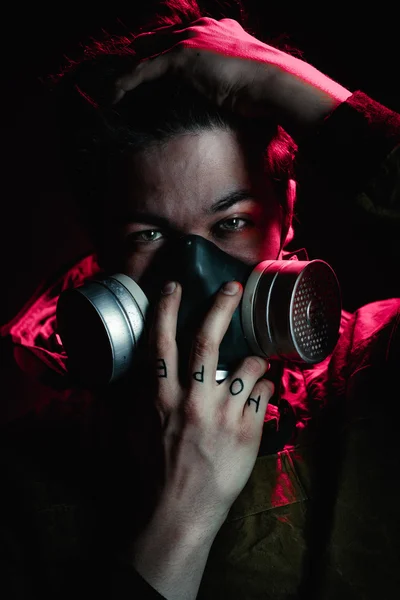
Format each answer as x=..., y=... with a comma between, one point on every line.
x=184, y=175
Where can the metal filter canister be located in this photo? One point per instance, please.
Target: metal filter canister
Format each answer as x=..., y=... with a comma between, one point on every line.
x=292, y=310
x=100, y=325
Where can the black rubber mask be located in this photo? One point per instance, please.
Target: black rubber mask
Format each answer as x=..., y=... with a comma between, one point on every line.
x=201, y=268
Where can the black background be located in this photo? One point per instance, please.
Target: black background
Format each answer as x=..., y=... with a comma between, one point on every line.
x=39, y=235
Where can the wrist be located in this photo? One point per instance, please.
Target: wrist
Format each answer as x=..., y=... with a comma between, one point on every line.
x=303, y=97
x=173, y=519
x=171, y=555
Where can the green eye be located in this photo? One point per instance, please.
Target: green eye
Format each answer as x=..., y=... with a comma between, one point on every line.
x=233, y=228
x=145, y=237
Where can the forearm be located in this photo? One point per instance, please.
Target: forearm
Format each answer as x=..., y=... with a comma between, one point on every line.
x=172, y=558
x=316, y=97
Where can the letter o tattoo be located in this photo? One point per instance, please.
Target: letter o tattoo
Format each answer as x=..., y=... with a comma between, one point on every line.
x=240, y=382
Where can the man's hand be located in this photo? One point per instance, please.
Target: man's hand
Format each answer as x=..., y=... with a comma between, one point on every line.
x=211, y=435
x=236, y=71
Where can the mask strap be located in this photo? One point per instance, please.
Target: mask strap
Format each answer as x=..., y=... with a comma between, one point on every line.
x=300, y=254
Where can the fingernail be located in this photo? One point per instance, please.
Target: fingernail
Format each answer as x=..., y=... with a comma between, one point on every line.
x=231, y=288
x=169, y=288
x=267, y=365
x=271, y=388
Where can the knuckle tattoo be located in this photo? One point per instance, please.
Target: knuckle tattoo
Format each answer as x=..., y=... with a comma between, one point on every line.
x=236, y=386
x=254, y=400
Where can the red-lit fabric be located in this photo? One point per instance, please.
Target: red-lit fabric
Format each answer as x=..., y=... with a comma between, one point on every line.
x=33, y=330
x=36, y=373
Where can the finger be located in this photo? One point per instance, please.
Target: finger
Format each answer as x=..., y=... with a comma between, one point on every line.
x=205, y=350
x=237, y=388
x=258, y=399
x=163, y=348
x=147, y=70
x=253, y=412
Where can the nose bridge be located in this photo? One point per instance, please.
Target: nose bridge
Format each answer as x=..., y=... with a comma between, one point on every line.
x=200, y=264
x=202, y=268
x=191, y=259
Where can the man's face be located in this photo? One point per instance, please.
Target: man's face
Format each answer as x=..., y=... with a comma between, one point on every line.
x=193, y=184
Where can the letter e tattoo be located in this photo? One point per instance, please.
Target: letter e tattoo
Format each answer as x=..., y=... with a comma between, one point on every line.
x=161, y=366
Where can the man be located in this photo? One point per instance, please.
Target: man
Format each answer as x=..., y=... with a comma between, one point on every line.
x=201, y=514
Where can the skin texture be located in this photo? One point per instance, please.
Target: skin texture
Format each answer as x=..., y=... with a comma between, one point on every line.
x=180, y=181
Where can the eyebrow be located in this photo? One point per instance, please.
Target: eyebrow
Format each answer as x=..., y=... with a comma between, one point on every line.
x=229, y=200
x=220, y=205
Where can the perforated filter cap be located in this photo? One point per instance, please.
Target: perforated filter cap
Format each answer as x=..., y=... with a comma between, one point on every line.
x=295, y=309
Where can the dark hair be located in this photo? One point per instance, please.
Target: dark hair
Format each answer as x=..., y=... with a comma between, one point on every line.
x=94, y=134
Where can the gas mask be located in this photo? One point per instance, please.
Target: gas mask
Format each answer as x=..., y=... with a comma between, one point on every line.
x=290, y=310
